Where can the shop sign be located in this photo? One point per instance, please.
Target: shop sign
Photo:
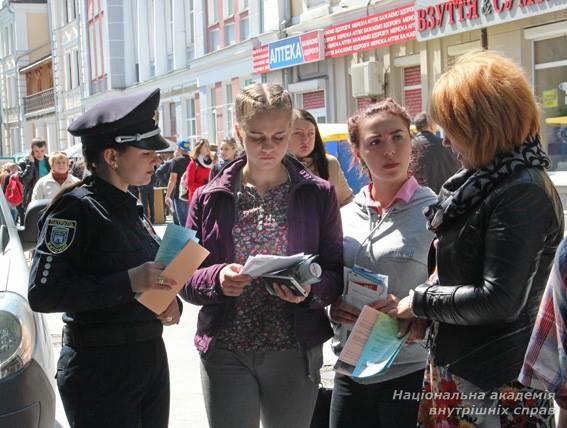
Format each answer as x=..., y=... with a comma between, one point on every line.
x=435, y=18
x=550, y=98
x=371, y=32
x=289, y=52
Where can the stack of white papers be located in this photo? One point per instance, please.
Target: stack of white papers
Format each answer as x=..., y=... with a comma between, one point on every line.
x=259, y=265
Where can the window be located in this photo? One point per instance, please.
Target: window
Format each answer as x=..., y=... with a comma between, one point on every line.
x=212, y=12
x=95, y=16
x=244, y=28
x=213, y=105
x=70, y=11
x=169, y=26
x=242, y=5
x=229, y=36
x=550, y=86
x=68, y=73
x=315, y=3
x=227, y=8
x=151, y=30
x=229, y=109
x=412, y=90
x=191, y=118
x=189, y=13
x=214, y=39
x=172, y=119
x=77, y=70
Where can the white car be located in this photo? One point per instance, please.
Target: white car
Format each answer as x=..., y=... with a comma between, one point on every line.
x=27, y=365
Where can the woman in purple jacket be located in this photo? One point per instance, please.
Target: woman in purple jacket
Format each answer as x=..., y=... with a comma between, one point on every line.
x=261, y=354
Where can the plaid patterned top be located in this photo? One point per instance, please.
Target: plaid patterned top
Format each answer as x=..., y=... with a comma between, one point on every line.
x=545, y=364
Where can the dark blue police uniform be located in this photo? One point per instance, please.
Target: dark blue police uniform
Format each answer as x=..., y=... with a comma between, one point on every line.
x=112, y=371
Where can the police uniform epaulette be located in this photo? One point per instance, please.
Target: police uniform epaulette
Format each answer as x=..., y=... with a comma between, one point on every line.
x=81, y=191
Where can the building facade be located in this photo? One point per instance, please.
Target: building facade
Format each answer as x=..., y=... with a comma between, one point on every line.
x=26, y=95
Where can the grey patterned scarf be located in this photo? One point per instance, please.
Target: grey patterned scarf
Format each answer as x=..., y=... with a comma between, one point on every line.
x=468, y=187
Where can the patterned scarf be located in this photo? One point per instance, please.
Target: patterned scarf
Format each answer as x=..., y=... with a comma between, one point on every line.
x=468, y=187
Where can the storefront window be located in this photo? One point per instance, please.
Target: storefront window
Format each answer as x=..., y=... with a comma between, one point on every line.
x=551, y=90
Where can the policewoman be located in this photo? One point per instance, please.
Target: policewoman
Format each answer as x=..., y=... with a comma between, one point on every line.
x=94, y=252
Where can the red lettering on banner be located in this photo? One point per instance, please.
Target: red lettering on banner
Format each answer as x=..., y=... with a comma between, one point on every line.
x=525, y=3
x=473, y=9
x=260, y=60
x=440, y=9
x=384, y=29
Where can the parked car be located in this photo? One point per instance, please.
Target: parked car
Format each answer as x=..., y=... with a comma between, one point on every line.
x=27, y=368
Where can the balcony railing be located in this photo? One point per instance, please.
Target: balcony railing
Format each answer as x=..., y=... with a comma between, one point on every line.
x=41, y=100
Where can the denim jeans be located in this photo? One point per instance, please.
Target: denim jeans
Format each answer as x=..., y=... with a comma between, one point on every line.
x=181, y=208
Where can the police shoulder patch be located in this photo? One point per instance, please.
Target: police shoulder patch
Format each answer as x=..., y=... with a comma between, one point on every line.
x=60, y=234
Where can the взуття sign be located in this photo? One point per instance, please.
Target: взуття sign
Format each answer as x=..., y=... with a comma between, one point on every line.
x=438, y=18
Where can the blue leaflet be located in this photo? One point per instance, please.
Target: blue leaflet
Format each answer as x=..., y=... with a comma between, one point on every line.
x=174, y=240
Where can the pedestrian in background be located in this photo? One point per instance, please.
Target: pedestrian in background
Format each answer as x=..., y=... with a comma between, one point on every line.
x=13, y=190
x=177, y=167
x=435, y=163
x=57, y=178
x=146, y=195
x=34, y=167
x=498, y=223
x=229, y=149
x=261, y=354
x=199, y=167
x=384, y=232
x=94, y=253
x=307, y=145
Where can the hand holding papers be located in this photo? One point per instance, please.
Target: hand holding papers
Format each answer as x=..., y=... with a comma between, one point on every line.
x=362, y=287
x=183, y=255
x=291, y=272
x=372, y=346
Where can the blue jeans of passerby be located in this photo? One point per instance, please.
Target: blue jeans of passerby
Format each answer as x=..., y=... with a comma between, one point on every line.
x=14, y=212
x=181, y=207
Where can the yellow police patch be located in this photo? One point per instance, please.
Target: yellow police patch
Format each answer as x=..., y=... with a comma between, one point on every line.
x=60, y=234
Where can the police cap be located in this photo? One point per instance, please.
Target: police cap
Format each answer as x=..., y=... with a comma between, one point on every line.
x=131, y=120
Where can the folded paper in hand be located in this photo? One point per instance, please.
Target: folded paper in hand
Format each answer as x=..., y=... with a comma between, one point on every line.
x=262, y=264
x=183, y=255
x=372, y=346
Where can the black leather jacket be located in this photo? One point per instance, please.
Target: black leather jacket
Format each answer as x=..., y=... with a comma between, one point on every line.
x=493, y=266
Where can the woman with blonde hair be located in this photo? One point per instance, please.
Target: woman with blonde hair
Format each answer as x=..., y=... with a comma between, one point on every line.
x=498, y=223
x=48, y=186
x=307, y=145
x=229, y=149
x=261, y=353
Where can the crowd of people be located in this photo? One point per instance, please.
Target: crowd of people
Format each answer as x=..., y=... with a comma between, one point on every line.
x=467, y=241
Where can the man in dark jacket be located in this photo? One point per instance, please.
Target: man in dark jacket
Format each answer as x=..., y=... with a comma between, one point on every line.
x=435, y=163
x=34, y=167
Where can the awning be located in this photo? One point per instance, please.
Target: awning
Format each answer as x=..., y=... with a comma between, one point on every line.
x=560, y=120
x=333, y=131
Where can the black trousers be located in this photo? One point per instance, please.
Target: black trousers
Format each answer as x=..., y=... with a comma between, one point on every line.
x=124, y=386
x=354, y=405
x=147, y=197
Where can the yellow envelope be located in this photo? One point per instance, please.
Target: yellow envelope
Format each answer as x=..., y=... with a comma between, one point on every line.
x=180, y=269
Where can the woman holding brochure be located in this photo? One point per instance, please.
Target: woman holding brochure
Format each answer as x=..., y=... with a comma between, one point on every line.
x=384, y=233
x=94, y=253
x=498, y=223
x=261, y=354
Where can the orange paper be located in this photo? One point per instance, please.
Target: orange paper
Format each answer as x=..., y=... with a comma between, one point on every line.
x=180, y=270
